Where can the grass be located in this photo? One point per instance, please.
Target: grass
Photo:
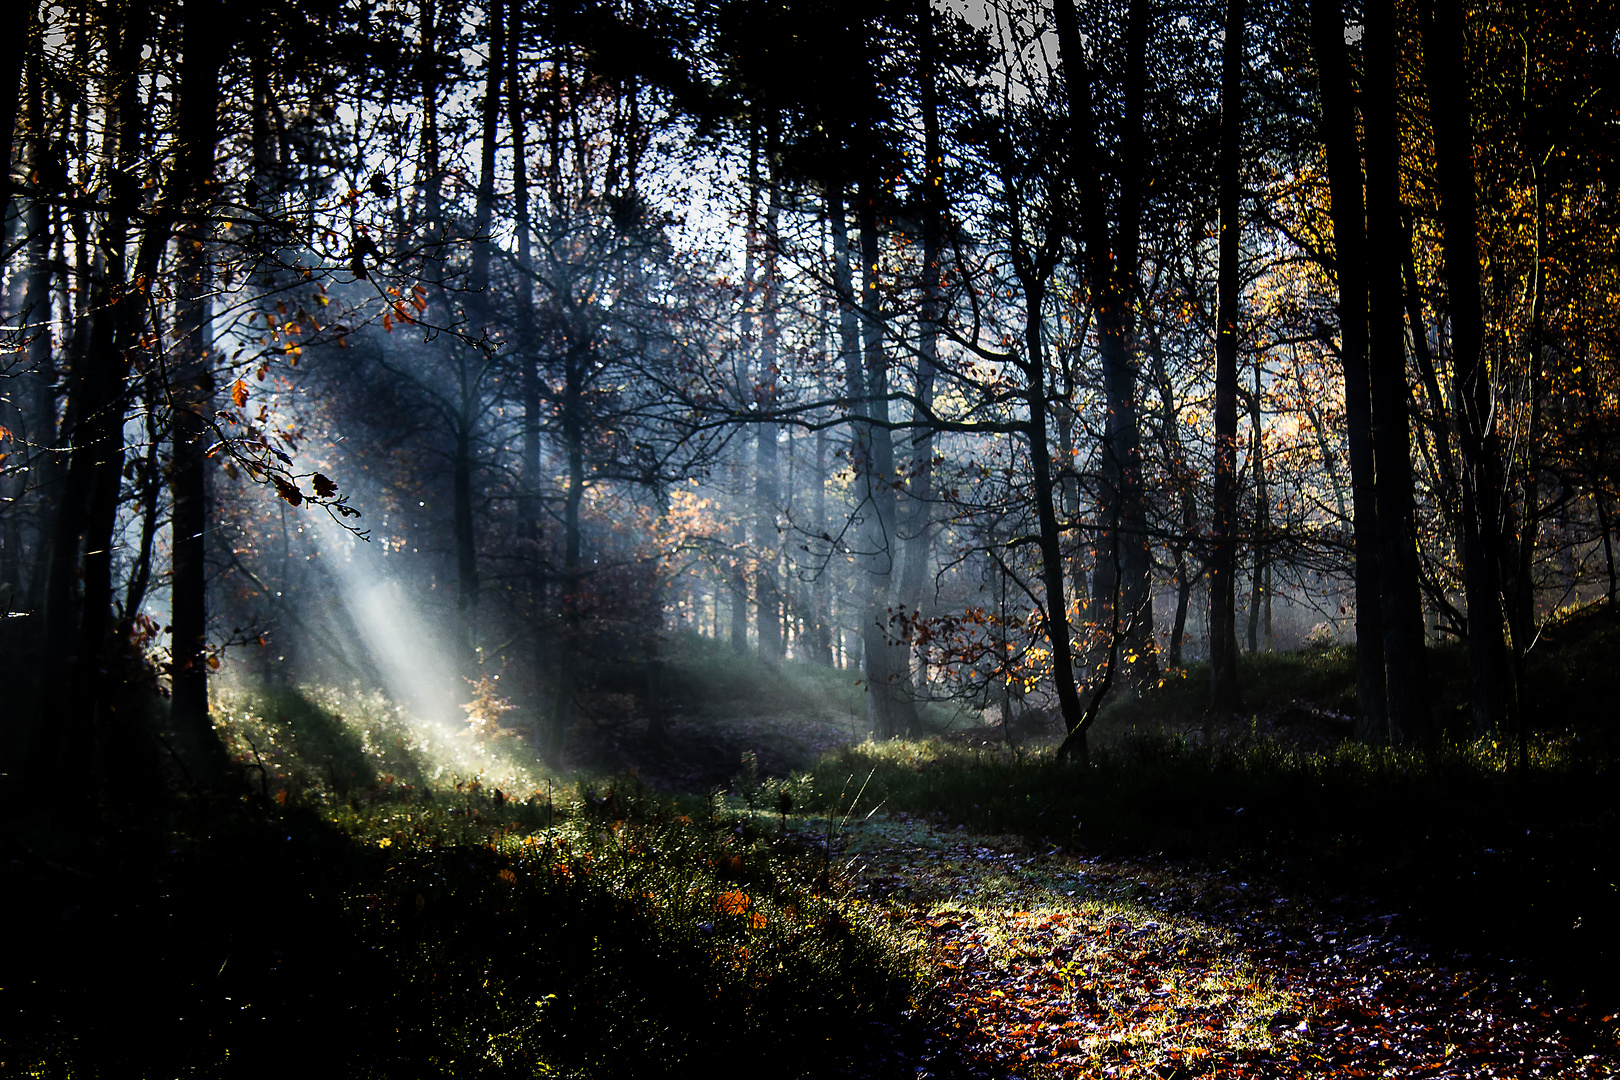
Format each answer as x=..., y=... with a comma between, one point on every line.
x=367, y=914
x=322, y=743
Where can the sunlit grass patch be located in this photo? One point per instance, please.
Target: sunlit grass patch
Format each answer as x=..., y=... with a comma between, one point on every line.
x=323, y=742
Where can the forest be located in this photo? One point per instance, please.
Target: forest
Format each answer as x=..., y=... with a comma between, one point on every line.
x=923, y=537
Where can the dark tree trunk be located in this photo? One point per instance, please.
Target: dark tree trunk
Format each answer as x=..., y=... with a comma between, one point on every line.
x=74, y=634
x=1452, y=117
x=1350, y=267
x=489, y=117
x=1387, y=250
x=1111, y=268
x=430, y=178
x=1608, y=544
x=573, y=423
x=461, y=470
x=849, y=351
x=1438, y=406
x=1262, y=521
x=471, y=360
x=529, y=502
x=767, y=474
x=747, y=397
x=1178, y=629
x=886, y=712
x=199, y=89
x=39, y=400
x=1053, y=569
x=918, y=539
x=738, y=577
x=523, y=305
x=1522, y=593
x=823, y=644
x=1225, y=693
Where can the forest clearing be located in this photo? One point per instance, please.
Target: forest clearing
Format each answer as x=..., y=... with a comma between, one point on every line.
x=1041, y=538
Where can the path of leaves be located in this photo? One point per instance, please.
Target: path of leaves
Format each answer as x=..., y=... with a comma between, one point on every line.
x=1051, y=965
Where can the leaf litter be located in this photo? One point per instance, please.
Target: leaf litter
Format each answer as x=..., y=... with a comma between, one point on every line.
x=1048, y=964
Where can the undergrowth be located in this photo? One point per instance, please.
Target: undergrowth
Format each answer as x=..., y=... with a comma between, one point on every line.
x=364, y=912
x=1325, y=677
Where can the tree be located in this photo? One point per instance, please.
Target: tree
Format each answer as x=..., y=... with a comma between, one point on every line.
x=1224, y=691
x=1348, y=211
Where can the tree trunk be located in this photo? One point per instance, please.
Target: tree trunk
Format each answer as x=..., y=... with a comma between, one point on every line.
x=28, y=43
x=886, y=712
x=1225, y=693
x=1452, y=117
x=738, y=576
x=1112, y=269
x=461, y=469
x=1402, y=609
x=1522, y=593
x=530, y=525
x=74, y=634
x=1053, y=569
x=573, y=439
x=1178, y=629
x=471, y=359
x=767, y=482
x=918, y=539
x=199, y=89
x=1262, y=512
x=1350, y=265
x=1608, y=545
x=823, y=643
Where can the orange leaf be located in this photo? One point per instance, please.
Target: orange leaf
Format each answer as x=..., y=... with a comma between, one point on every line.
x=239, y=393
x=732, y=902
x=388, y=323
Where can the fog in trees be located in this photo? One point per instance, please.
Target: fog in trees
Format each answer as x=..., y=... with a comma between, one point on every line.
x=1005, y=359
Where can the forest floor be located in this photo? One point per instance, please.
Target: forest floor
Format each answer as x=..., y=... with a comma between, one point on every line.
x=1281, y=904
x=1102, y=958
x=1054, y=964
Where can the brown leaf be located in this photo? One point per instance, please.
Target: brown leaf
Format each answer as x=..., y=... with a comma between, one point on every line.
x=288, y=491
x=324, y=487
x=239, y=393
